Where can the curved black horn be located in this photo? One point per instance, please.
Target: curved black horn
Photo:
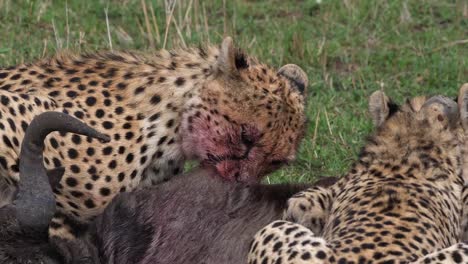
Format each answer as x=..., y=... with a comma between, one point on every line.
x=35, y=202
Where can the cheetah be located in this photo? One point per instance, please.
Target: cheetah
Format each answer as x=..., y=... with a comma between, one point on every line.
x=401, y=202
x=215, y=105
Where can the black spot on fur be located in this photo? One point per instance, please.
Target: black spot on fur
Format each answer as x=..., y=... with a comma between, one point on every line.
x=119, y=110
x=139, y=90
x=105, y=191
x=129, y=158
x=3, y=162
x=89, y=203
x=154, y=117
x=72, y=182
x=112, y=164
x=90, y=151
x=90, y=101
x=72, y=94
x=78, y=114
x=75, y=79
x=7, y=141
x=155, y=99
x=5, y=100
x=121, y=176
x=107, y=125
x=179, y=81
x=72, y=153
x=107, y=150
x=100, y=113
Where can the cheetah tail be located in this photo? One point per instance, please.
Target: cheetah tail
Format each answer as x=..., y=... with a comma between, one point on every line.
x=35, y=202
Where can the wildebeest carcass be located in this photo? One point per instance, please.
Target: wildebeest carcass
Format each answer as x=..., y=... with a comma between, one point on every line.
x=194, y=218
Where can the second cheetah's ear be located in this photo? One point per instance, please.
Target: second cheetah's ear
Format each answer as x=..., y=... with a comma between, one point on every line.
x=296, y=76
x=381, y=107
x=231, y=59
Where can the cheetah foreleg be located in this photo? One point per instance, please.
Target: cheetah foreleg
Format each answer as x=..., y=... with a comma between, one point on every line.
x=457, y=253
x=310, y=208
x=288, y=243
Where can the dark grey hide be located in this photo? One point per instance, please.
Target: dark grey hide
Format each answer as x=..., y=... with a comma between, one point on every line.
x=194, y=218
x=23, y=224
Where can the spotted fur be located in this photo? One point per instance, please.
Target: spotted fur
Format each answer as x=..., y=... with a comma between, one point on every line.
x=214, y=104
x=400, y=203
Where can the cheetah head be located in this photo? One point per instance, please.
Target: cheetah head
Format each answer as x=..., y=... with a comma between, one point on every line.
x=248, y=120
x=430, y=129
x=421, y=112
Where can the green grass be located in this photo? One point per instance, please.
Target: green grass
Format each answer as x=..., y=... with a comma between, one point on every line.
x=349, y=48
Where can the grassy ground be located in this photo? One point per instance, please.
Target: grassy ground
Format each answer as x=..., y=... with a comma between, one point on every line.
x=349, y=48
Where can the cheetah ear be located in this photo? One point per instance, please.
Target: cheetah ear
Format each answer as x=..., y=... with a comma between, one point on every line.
x=463, y=106
x=381, y=107
x=231, y=59
x=296, y=76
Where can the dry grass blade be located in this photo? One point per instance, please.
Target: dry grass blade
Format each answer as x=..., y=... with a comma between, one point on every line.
x=108, y=28
x=148, y=26
x=66, y=21
x=225, y=19
x=41, y=11
x=205, y=19
x=252, y=42
x=348, y=4
x=140, y=28
x=58, y=43
x=314, y=137
x=179, y=33
x=196, y=15
x=179, y=11
x=155, y=23
x=170, y=6
x=405, y=15
x=81, y=39
x=234, y=15
x=464, y=8
x=328, y=122
x=44, y=50
x=187, y=20
x=451, y=44
x=123, y=36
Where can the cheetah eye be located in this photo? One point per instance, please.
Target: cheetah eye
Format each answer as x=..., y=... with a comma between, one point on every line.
x=246, y=138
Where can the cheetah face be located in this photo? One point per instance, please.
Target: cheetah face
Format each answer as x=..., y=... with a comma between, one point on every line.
x=436, y=111
x=424, y=128
x=248, y=120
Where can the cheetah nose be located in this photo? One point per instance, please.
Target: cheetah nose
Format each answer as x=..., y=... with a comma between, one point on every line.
x=450, y=107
